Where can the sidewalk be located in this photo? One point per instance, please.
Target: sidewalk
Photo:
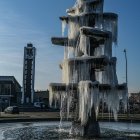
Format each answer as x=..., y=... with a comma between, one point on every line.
x=29, y=116
x=55, y=116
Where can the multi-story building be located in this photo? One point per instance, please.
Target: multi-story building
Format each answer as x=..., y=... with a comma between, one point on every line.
x=10, y=91
x=28, y=74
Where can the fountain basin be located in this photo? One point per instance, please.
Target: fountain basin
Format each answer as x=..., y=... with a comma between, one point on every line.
x=50, y=130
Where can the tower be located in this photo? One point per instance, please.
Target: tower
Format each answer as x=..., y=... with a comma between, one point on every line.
x=28, y=74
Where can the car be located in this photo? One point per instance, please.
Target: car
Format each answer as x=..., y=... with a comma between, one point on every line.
x=12, y=110
x=39, y=105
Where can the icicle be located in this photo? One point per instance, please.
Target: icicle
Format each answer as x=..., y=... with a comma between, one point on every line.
x=108, y=47
x=74, y=30
x=88, y=97
x=69, y=101
x=99, y=51
x=84, y=45
x=65, y=72
x=74, y=71
x=71, y=52
x=51, y=95
x=123, y=95
x=95, y=99
x=84, y=101
x=65, y=52
x=54, y=97
x=112, y=26
x=64, y=24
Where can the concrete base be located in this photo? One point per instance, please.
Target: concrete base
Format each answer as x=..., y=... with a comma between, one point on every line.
x=91, y=130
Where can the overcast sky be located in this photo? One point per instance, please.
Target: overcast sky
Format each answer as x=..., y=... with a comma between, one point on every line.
x=36, y=21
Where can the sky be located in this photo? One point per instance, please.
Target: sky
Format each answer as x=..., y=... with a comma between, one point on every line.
x=36, y=21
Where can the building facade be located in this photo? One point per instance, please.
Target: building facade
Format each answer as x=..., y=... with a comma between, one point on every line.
x=10, y=91
x=28, y=74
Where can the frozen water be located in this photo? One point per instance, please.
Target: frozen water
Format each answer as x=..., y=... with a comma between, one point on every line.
x=76, y=70
x=111, y=25
x=87, y=98
x=64, y=24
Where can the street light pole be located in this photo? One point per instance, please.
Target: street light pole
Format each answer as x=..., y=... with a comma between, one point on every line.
x=126, y=66
x=0, y=107
x=126, y=72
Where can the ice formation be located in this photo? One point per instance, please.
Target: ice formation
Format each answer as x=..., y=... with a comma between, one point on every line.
x=63, y=99
x=81, y=44
x=108, y=76
x=111, y=25
x=73, y=71
x=54, y=98
x=86, y=6
x=64, y=24
x=88, y=96
x=79, y=67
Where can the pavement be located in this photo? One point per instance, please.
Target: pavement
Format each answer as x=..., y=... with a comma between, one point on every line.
x=29, y=116
x=55, y=116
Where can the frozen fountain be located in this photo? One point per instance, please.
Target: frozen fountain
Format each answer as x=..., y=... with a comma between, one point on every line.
x=88, y=69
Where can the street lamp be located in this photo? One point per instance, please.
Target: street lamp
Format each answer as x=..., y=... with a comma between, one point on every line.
x=126, y=72
x=126, y=66
x=0, y=106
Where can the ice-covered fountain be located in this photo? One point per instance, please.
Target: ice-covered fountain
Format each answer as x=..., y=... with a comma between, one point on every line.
x=88, y=69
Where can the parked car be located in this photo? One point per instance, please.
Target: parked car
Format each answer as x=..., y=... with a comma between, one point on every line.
x=12, y=110
x=39, y=105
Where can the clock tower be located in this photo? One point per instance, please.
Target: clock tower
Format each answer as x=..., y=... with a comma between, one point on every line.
x=28, y=74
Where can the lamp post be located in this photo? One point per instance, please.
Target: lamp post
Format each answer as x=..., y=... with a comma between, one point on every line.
x=126, y=66
x=126, y=76
x=0, y=107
